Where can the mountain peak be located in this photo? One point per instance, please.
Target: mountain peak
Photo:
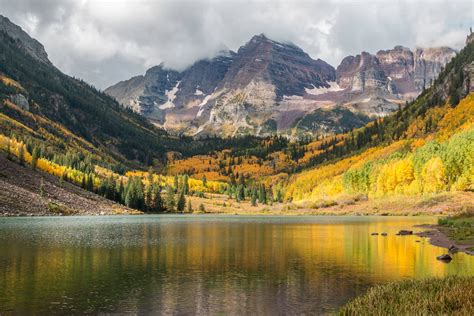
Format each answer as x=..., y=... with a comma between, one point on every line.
x=259, y=37
x=23, y=40
x=274, y=82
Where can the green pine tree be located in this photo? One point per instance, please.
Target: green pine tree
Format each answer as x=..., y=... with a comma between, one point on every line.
x=83, y=181
x=279, y=197
x=241, y=192
x=186, y=184
x=254, y=197
x=202, y=208
x=90, y=183
x=157, y=203
x=176, y=183
x=181, y=203
x=262, y=195
x=170, y=201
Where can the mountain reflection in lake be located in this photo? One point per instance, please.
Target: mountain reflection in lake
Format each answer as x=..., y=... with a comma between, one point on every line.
x=207, y=264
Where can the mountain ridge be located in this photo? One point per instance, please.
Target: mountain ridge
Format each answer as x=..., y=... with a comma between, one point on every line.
x=267, y=83
x=33, y=47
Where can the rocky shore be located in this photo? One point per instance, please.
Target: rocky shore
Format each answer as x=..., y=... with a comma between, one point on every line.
x=439, y=239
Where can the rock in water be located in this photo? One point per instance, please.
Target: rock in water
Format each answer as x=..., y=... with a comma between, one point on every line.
x=445, y=258
x=405, y=232
x=453, y=249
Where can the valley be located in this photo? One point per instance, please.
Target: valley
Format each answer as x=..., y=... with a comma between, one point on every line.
x=422, y=150
x=257, y=179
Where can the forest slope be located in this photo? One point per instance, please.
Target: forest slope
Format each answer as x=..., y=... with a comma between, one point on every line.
x=24, y=191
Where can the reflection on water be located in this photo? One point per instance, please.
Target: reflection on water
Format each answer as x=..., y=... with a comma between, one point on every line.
x=204, y=264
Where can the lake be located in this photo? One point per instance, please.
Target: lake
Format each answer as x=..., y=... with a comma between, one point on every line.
x=173, y=264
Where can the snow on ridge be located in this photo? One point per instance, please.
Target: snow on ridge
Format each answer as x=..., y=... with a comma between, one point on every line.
x=167, y=105
x=171, y=94
x=198, y=92
x=202, y=104
x=292, y=97
x=333, y=87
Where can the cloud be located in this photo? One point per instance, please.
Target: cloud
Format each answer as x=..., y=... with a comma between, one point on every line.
x=104, y=41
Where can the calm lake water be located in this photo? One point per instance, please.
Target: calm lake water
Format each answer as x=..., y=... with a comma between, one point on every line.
x=206, y=264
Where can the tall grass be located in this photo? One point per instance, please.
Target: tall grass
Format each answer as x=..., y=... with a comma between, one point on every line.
x=459, y=228
x=451, y=295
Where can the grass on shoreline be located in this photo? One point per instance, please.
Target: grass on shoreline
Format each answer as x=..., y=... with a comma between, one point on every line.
x=445, y=203
x=451, y=295
x=459, y=228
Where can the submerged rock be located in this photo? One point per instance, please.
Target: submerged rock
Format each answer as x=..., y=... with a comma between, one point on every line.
x=405, y=232
x=374, y=234
x=383, y=234
x=445, y=258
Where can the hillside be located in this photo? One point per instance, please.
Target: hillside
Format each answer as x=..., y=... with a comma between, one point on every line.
x=43, y=91
x=28, y=192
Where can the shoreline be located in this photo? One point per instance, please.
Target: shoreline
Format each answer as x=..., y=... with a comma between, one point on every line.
x=139, y=213
x=439, y=239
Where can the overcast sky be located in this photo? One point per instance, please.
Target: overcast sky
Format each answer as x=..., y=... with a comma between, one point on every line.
x=105, y=41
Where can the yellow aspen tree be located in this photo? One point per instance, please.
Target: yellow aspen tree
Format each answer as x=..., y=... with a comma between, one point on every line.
x=434, y=175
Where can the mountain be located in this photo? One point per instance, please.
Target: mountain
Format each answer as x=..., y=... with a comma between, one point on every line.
x=376, y=84
x=39, y=96
x=34, y=48
x=40, y=103
x=268, y=87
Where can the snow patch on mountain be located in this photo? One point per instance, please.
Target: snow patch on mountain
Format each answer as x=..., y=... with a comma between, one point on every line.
x=171, y=94
x=202, y=104
x=333, y=87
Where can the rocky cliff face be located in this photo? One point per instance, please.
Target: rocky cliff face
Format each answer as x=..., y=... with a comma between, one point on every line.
x=285, y=66
x=271, y=87
x=360, y=73
x=161, y=91
x=428, y=63
x=400, y=72
x=23, y=40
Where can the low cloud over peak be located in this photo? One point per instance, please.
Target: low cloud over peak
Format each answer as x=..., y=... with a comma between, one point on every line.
x=106, y=41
